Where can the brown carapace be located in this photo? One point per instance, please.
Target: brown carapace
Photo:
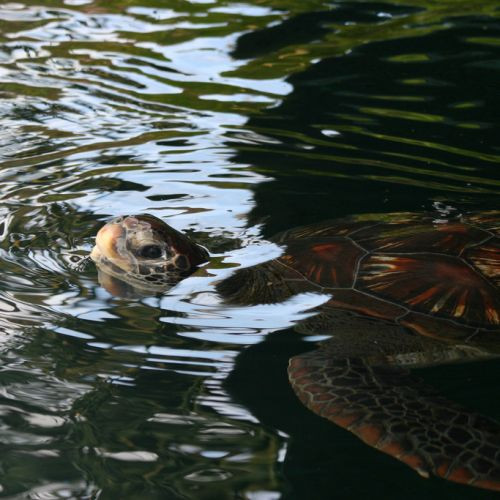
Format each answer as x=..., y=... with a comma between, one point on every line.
x=406, y=291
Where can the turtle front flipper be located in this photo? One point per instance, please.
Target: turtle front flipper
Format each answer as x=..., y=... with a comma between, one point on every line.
x=396, y=413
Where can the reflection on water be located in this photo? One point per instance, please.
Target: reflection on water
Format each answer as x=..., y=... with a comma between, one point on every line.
x=233, y=121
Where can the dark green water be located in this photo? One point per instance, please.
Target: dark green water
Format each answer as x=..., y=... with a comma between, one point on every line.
x=233, y=121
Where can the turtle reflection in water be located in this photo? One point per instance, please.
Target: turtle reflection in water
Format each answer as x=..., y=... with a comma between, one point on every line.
x=405, y=292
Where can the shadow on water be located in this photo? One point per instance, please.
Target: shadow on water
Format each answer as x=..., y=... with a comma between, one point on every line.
x=380, y=126
x=323, y=461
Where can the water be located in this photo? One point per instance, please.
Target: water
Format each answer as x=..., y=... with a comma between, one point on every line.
x=232, y=121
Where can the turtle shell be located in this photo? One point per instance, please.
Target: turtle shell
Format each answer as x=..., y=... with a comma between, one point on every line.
x=386, y=277
x=438, y=278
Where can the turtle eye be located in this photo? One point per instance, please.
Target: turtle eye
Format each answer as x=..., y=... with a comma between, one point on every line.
x=150, y=251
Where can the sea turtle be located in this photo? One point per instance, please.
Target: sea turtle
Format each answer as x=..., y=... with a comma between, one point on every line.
x=407, y=290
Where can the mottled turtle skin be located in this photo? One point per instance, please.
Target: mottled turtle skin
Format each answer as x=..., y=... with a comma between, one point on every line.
x=407, y=290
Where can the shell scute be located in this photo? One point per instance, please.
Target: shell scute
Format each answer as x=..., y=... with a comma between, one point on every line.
x=330, y=262
x=488, y=220
x=328, y=229
x=439, y=328
x=434, y=284
x=451, y=238
x=486, y=258
x=358, y=302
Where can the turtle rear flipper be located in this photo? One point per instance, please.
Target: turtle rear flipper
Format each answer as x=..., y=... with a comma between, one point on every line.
x=396, y=413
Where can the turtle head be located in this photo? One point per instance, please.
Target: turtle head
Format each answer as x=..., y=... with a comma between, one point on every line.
x=145, y=252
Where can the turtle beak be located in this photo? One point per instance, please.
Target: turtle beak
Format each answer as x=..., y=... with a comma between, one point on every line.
x=108, y=242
